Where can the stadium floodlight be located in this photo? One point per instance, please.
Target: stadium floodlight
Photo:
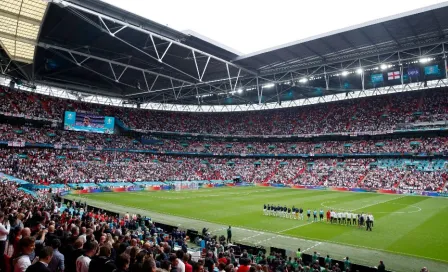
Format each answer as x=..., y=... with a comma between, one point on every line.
x=383, y=66
x=240, y=90
x=303, y=80
x=424, y=60
x=344, y=73
x=270, y=85
x=359, y=71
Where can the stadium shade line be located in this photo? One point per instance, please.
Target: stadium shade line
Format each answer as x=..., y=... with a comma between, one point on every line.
x=265, y=231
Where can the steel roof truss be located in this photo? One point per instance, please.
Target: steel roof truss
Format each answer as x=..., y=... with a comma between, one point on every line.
x=64, y=3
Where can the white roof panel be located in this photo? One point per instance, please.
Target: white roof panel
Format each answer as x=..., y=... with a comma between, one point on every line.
x=15, y=18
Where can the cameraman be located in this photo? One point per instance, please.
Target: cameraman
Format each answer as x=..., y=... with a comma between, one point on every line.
x=4, y=232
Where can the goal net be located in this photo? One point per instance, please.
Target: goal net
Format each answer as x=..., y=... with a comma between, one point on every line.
x=187, y=185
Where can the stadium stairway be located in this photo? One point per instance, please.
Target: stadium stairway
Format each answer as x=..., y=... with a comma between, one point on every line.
x=268, y=177
x=46, y=107
x=218, y=175
x=420, y=101
x=362, y=178
x=445, y=178
x=14, y=105
x=398, y=184
x=301, y=170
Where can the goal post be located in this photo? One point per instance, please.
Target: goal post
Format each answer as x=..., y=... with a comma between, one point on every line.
x=186, y=185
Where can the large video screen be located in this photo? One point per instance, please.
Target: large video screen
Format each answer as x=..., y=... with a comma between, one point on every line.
x=88, y=122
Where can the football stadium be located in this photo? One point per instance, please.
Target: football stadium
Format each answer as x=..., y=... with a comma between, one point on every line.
x=128, y=145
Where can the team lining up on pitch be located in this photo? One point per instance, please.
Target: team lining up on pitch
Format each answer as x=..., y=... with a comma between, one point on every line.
x=332, y=217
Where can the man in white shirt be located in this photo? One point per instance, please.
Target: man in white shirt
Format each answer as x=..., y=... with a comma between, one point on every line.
x=4, y=231
x=82, y=263
x=333, y=216
x=349, y=218
x=180, y=264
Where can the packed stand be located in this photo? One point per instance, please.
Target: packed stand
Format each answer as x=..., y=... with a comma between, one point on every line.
x=48, y=166
x=380, y=113
x=49, y=135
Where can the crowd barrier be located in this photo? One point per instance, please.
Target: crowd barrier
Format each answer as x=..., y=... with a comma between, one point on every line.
x=218, y=185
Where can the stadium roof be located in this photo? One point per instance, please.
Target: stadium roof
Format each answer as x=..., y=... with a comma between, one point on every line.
x=95, y=48
x=398, y=32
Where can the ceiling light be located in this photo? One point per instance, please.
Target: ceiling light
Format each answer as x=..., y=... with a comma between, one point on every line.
x=359, y=71
x=240, y=90
x=270, y=85
x=303, y=80
x=344, y=73
x=425, y=60
x=383, y=66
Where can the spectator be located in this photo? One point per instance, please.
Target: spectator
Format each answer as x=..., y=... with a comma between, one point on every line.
x=45, y=256
x=82, y=262
x=57, y=262
x=22, y=259
x=4, y=231
x=122, y=262
x=102, y=262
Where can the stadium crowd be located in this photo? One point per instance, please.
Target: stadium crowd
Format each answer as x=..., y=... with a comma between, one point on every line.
x=49, y=166
x=49, y=135
x=36, y=229
x=41, y=234
x=381, y=113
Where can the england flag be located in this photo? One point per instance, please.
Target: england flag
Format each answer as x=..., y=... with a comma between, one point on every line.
x=393, y=75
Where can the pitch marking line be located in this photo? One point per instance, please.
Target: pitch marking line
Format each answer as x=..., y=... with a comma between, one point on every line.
x=312, y=247
x=263, y=241
x=296, y=227
x=381, y=202
x=250, y=237
x=218, y=230
x=198, y=195
x=418, y=209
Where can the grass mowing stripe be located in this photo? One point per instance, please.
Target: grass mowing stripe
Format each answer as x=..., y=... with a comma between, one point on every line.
x=370, y=248
x=245, y=210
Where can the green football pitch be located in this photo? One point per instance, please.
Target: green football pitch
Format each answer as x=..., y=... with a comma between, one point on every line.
x=409, y=231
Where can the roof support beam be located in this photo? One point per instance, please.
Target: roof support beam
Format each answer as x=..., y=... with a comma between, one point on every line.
x=64, y=3
x=50, y=46
x=330, y=62
x=390, y=34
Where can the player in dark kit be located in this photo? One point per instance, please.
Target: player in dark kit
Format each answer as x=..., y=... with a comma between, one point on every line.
x=301, y=213
x=369, y=224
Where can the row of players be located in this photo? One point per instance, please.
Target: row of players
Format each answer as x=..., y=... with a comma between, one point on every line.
x=342, y=217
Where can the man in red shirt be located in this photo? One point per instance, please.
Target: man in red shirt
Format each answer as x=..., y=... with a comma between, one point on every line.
x=222, y=259
x=188, y=267
x=244, y=265
x=328, y=215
